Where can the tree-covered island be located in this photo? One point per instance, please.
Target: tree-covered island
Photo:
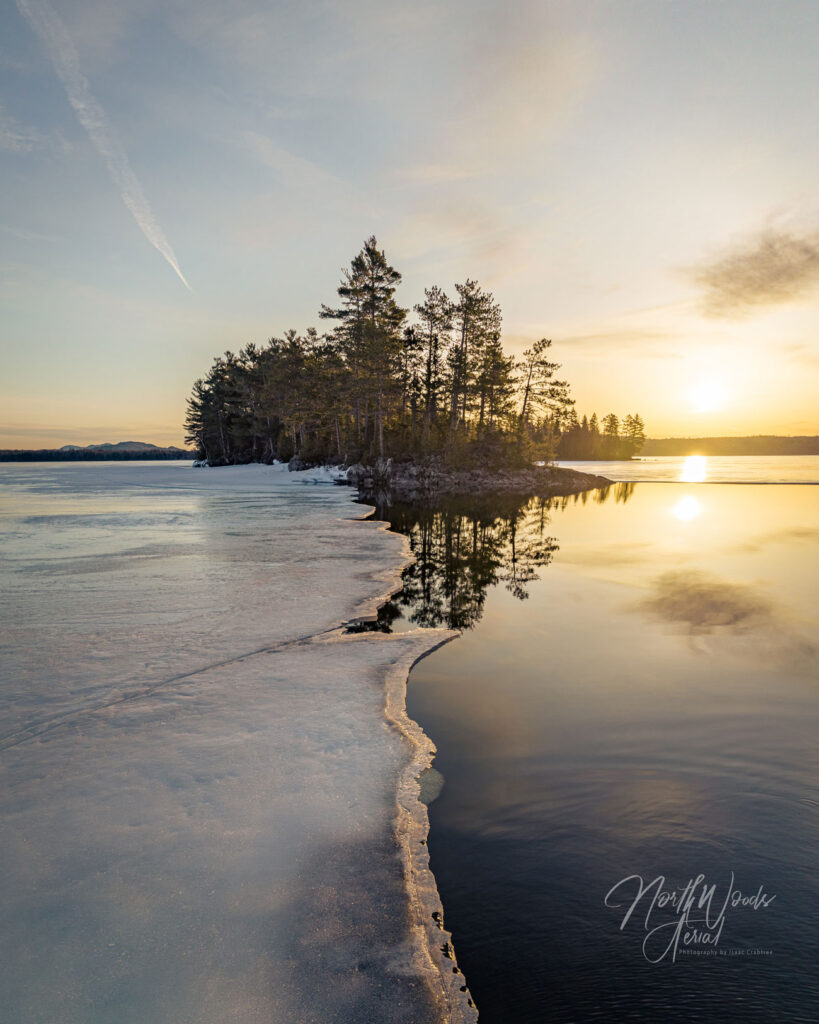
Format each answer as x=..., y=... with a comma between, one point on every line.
x=433, y=386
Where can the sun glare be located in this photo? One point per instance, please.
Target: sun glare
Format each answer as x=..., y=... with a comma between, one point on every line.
x=694, y=469
x=706, y=395
x=687, y=508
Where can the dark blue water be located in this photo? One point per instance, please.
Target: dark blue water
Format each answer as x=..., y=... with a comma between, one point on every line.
x=634, y=694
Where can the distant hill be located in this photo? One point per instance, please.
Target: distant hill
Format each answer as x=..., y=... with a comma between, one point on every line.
x=120, y=446
x=121, y=451
x=760, y=444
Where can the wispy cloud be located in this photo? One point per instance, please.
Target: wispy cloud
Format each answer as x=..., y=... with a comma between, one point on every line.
x=24, y=235
x=16, y=137
x=803, y=354
x=293, y=171
x=769, y=269
x=48, y=25
x=432, y=173
x=646, y=342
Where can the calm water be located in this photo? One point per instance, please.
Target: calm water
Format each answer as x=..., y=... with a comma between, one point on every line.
x=634, y=693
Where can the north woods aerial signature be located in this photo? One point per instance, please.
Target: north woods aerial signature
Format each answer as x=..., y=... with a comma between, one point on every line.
x=698, y=915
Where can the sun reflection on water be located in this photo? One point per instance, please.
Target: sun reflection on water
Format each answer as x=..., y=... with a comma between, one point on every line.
x=687, y=508
x=694, y=469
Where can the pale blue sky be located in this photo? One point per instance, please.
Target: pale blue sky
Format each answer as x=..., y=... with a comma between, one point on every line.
x=636, y=180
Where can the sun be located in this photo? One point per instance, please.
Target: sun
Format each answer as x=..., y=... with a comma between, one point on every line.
x=707, y=395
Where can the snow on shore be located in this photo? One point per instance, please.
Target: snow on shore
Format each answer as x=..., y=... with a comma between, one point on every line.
x=209, y=802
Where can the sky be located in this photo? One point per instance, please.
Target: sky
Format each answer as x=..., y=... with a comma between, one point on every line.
x=634, y=180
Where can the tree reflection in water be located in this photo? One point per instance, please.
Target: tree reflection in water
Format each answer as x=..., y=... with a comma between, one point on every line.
x=462, y=548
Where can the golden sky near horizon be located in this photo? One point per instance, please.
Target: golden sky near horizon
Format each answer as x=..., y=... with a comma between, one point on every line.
x=635, y=181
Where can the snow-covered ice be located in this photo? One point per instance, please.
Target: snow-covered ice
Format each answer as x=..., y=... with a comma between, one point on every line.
x=208, y=803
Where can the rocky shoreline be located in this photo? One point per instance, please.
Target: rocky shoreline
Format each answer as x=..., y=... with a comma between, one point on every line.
x=424, y=482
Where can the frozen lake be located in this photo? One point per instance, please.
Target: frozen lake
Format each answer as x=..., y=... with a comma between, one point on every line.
x=206, y=796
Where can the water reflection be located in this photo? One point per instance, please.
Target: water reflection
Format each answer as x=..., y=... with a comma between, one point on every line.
x=702, y=602
x=687, y=508
x=461, y=549
x=619, y=492
x=460, y=554
x=649, y=709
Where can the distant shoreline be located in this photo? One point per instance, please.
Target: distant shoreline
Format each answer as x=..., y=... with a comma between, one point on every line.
x=759, y=444
x=83, y=455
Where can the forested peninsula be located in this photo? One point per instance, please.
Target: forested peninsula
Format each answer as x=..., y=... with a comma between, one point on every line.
x=427, y=387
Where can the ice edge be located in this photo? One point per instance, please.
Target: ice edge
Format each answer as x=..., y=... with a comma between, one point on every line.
x=412, y=830
x=411, y=825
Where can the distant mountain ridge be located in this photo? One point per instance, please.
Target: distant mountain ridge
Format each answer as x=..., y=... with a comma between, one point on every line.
x=120, y=446
x=120, y=451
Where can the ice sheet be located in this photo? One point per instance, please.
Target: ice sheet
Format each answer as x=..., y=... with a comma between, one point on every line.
x=208, y=796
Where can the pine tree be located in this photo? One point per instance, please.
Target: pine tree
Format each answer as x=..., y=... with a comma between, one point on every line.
x=633, y=435
x=495, y=385
x=369, y=332
x=435, y=313
x=540, y=392
x=611, y=425
x=374, y=385
x=477, y=318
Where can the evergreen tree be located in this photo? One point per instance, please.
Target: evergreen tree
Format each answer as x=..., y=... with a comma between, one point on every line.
x=495, y=385
x=376, y=386
x=540, y=392
x=369, y=332
x=634, y=435
x=611, y=425
x=477, y=319
x=583, y=440
x=435, y=314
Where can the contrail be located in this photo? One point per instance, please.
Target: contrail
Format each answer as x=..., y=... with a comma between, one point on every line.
x=48, y=25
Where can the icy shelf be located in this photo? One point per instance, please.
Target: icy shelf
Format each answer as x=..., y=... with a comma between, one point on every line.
x=209, y=797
